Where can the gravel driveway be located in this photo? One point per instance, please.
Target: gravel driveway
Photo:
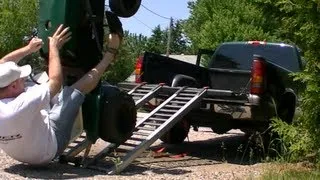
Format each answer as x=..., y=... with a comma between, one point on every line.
x=205, y=156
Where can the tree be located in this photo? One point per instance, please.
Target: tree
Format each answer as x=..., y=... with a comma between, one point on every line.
x=179, y=41
x=132, y=47
x=156, y=43
x=213, y=21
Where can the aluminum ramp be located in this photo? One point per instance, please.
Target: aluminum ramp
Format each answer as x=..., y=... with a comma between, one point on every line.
x=144, y=93
x=151, y=128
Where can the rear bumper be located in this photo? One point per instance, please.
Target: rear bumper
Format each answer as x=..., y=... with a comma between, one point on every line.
x=255, y=109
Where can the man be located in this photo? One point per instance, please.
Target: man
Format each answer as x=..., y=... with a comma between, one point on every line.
x=31, y=131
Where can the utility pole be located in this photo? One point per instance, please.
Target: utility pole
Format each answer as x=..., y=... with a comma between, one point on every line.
x=169, y=37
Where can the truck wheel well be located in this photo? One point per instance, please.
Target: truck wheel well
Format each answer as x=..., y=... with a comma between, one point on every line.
x=183, y=80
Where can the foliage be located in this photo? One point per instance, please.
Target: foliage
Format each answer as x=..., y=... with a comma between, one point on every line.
x=132, y=47
x=156, y=42
x=292, y=21
x=298, y=21
x=213, y=21
x=296, y=140
x=17, y=19
x=180, y=44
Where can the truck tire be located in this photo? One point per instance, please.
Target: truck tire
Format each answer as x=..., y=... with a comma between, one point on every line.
x=177, y=134
x=220, y=130
x=118, y=115
x=222, y=124
x=286, y=108
x=179, y=131
x=285, y=111
x=124, y=8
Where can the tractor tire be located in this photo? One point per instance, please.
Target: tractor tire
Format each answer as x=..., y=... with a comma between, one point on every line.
x=118, y=115
x=177, y=133
x=124, y=8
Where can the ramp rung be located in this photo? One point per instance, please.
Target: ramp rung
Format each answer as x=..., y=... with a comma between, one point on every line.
x=138, y=94
x=157, y=119
x=82, y=136
x=77, y=141
x=183, y=98
x=141, y=133
x=136, y=139
x=146, y=128
x=163, y=115
x=148, y=87
x=173, y=106
x=137, y=97
x=129, y=144
x=195, y=91
x=142, y=90
x=152, y=124
x=168, y=110
x=178, y=102
x=186, y=94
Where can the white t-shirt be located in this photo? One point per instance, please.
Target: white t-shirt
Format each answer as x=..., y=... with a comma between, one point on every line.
x=25, y=134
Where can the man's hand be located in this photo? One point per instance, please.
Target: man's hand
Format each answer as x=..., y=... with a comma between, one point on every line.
x=60, y=37
x=35, y=44
x=56, y=41
x=114, y=41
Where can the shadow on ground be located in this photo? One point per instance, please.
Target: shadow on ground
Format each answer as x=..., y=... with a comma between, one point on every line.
x=52, y=171
x=233, y=149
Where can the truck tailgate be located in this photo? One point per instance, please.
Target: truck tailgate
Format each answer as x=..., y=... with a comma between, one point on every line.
x=229, y=79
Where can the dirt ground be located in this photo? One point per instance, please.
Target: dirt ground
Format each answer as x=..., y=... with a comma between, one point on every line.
x=204, y=156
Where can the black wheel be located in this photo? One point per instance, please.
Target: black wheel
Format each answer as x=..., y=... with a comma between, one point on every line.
x=177, y=134
x=124, y=8
x=179, y=131
x=118, y=115
x=222, y=124
x=220, y=130
x=286, y=109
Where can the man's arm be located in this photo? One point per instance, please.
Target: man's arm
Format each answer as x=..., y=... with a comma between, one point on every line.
x=33, y=46
x=59, y=38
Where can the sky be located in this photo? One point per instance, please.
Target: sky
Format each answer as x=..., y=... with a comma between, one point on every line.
x=144, y=21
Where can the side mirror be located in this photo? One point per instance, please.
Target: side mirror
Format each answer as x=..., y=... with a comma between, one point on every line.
x=124, y=8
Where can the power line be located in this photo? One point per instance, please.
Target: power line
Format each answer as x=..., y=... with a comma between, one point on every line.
x=154, y=12
x=143, y=23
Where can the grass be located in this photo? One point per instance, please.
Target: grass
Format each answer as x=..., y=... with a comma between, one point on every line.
x=290, y=172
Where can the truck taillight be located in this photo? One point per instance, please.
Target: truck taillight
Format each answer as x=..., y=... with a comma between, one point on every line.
x=138, y=69
x=257, y=75
x=256, y=43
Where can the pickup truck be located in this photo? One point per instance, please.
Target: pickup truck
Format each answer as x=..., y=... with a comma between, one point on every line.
x=257, y=73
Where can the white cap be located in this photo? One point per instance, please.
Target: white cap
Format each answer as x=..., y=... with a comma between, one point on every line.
x=10, y=71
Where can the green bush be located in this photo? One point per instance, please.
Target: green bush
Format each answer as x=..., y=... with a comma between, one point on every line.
x=17, y=19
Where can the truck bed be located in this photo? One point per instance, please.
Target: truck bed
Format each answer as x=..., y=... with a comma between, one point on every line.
x=162, y=69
